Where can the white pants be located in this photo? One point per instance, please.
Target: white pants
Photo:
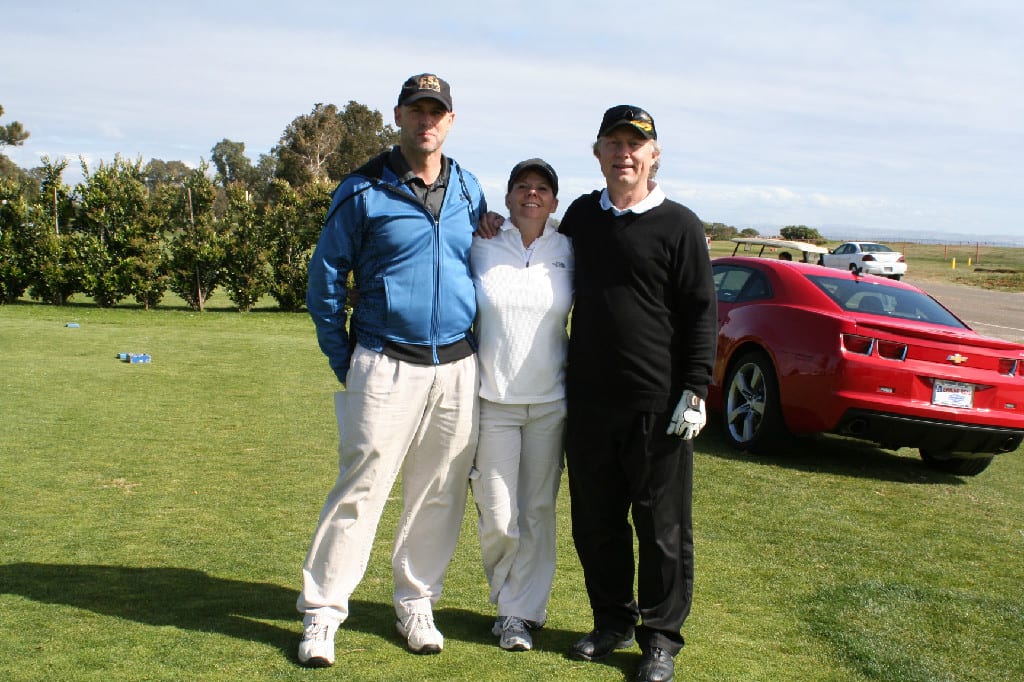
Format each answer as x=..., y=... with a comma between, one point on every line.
x=394, y=417
x=518, y=471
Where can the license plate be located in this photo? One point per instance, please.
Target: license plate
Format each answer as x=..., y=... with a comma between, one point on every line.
x=952, y=394
x=888, y=268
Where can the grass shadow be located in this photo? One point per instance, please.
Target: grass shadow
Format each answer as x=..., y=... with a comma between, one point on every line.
x=831, y=454
x=179, y=597
x=190, y=599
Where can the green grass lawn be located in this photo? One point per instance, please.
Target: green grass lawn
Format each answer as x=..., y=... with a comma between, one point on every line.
x=154, y=519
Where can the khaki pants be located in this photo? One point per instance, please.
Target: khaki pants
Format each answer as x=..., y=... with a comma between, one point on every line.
x=394, y=417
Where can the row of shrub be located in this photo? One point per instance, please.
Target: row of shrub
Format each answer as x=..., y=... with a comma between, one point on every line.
x=128, y=232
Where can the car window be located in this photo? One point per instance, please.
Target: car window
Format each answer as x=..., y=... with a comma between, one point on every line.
x=733, y=284
x=756, y=288
x=729, y=281
x=844, y=249
x=874, y=248
x=880, y=299
x=869, y=303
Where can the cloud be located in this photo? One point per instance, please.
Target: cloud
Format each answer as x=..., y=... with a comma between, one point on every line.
x=905, y=113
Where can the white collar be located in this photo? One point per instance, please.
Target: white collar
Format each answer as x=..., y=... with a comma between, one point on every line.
x=653, y=199
x=549, y=226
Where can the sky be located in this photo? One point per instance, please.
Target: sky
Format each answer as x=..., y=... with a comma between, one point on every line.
x=860, y=118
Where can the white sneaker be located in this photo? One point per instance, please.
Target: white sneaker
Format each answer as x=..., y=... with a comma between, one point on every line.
x=530, y=624
x=316, y=650
x=514, y=634
x=535, y=624
x=420, y=634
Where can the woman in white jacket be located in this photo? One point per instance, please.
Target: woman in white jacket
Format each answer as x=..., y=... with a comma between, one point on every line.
x=523, y=279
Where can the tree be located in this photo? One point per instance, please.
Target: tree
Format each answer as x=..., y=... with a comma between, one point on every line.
x=148, y=263
x=63, y=266
x=801, y=233
x=328, y=143
x=11, y=171
x=749, y=232
x=54, y=198
x=197, y=246
x=246, y=268
x=294, y=219
x=231, y=163
x=307, y=143
x=61, y=260
x=113, y=208
x=136, y=230
x=364, y=135
x=18, y=242
x=719, y=231
x=263, y=174
x=13, y=134
x=158, y=172
x=165, y=183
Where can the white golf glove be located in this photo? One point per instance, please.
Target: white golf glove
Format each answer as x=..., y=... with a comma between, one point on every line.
x=689, y=416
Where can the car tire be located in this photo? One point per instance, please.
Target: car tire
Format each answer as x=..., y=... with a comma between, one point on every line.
x=896, y=277
x=961, y=466
x=752, y=417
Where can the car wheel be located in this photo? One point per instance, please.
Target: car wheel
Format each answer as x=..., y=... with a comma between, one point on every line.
x=962, y=466
x=753, y=411
x=896, y=277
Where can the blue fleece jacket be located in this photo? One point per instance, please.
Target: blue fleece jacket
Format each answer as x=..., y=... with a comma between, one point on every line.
x=412, y=271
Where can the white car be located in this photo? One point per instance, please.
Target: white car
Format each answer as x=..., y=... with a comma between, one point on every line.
x=869, y=257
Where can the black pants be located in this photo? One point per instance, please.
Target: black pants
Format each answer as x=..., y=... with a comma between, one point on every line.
x=621, y=464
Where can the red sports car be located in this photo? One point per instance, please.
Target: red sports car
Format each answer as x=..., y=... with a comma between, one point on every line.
x=806, y=349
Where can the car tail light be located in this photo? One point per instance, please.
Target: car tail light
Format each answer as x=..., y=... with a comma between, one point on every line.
x=901, y=259
x=1009, y=366
x=855, y=343
x=892, y=350
x=868, y=257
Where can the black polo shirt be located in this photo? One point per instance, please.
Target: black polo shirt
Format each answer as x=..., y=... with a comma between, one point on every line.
x=433, y=196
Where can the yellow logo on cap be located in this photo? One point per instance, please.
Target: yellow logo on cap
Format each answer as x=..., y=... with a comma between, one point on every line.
x=430, y=83
x=643, y=125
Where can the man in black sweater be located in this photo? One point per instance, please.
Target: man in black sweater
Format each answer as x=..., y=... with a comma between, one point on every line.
x=641, y=353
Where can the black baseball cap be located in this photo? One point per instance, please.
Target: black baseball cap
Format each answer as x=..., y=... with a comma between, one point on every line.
x=539, y=165
x=628, y=114
x=426, y=85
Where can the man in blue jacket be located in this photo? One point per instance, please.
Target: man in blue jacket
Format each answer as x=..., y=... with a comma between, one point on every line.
x=403, y=225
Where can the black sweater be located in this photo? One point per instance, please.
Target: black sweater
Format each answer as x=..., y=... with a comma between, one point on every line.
x=644, y=325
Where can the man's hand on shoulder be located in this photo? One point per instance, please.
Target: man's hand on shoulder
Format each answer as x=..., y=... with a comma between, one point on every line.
x=490, y=225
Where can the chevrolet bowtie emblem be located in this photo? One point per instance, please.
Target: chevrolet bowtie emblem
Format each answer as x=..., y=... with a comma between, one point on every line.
x=957, y=359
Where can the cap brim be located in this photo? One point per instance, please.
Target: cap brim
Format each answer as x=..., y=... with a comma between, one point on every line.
x=424, y=95
x=649, y=134
x=546, y=171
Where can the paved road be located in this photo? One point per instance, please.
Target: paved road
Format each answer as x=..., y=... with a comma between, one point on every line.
x=992, y=313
